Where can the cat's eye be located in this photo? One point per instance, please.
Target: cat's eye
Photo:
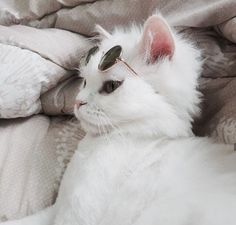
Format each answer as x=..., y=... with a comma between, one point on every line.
x=91, y=52
x=110, y=86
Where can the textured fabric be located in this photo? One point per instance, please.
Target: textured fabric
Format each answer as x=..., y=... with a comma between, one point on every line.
x=62, y=47
x=21, y=160
x=15, y=11
x=228, y=29
x=83, y=16
x=34, y=153
x=218, y=85
x=178, y=13
x=218, y=118
x=24, y=76
x=60, y=100
x=33, y=61
x=217, y=52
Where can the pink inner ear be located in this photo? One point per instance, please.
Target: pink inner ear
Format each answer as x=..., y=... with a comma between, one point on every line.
x=157, y=39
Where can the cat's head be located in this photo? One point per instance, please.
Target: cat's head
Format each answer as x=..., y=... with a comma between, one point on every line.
x=160, y=100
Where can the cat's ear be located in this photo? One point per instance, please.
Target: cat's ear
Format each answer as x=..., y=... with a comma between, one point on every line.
x=102, y=32
x=157, y=40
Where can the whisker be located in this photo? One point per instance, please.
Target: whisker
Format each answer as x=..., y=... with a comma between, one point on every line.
x=115, y=127
x=100, y=124
x=105, y=130
x=102, y=120
x=105, y=122
x=118, y=129
x=99, y=127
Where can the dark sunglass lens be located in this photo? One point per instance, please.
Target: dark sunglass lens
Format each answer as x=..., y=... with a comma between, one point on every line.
x=91, y=52
x=109, y=59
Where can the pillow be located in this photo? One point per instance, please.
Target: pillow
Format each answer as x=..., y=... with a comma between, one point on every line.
x=32, y=61
x=24, y=76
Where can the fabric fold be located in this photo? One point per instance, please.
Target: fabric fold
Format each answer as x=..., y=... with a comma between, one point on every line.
x=33, y=61
x=62, y=47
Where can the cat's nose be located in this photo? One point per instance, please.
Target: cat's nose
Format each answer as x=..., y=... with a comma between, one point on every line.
x=79, y=103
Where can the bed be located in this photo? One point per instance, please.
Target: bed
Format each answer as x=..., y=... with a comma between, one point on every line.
x=41, y=44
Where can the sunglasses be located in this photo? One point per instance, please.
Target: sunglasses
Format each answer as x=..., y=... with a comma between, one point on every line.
x=111, y=57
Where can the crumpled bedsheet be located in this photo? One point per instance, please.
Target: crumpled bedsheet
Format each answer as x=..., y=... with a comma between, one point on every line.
x=33, y=61
x=41, y=43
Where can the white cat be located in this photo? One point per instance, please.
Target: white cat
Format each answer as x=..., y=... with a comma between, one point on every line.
x=139, y=163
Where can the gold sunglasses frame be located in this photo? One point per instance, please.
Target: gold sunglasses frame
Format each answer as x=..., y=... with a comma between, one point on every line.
x=117, y=60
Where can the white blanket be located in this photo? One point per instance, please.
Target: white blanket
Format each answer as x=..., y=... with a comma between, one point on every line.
x=32, y=61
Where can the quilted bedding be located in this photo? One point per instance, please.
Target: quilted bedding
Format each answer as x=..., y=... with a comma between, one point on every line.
x=41, y=43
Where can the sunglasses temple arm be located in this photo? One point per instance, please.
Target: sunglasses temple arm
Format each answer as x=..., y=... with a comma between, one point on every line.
x=120, y=60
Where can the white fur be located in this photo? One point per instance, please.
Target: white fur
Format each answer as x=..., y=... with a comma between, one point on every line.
x=139, y=163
